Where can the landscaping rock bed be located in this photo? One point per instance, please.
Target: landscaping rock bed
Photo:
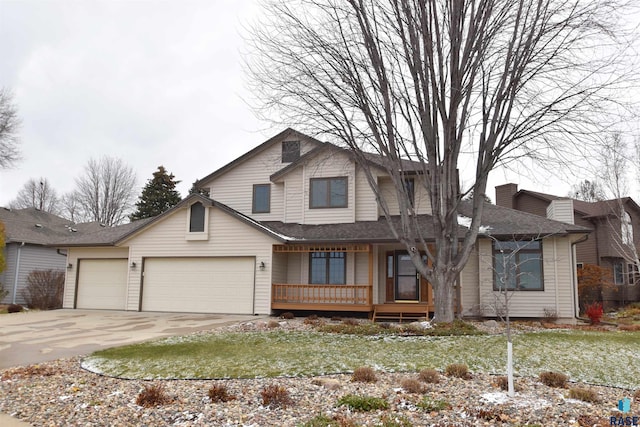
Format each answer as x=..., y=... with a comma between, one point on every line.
x=61, y=393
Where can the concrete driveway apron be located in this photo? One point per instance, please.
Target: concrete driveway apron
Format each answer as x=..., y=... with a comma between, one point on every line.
x=35, y=337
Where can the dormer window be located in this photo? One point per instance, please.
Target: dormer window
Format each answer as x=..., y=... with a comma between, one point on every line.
x=196, y=218
x=290, y=151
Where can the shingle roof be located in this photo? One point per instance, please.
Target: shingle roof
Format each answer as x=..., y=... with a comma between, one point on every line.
x=105, y=236
x=34, y=226
x=588, y=209
x=499, y=222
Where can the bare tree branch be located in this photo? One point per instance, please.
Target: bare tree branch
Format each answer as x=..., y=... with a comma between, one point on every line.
x=9, y=125
x=436, y=81
x=37, y=194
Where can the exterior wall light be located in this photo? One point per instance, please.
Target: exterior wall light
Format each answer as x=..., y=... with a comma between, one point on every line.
x=262, y=266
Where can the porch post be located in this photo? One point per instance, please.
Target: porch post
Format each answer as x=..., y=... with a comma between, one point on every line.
x=370, y=297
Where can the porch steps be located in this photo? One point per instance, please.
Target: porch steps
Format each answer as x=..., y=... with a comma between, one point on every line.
x=400, y=312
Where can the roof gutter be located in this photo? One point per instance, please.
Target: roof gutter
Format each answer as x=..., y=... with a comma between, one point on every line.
x=17, y=273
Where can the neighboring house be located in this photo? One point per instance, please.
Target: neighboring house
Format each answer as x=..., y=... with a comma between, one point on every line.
x=294, y=225
x=27, y=234
x=612, y=245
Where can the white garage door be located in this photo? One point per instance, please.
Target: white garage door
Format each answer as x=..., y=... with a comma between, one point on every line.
x=102, y=284
x=199, y=285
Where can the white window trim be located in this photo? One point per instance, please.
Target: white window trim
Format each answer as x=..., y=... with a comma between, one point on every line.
x=197, y=235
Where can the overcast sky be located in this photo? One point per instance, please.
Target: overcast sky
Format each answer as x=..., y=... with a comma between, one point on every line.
x=152, y=82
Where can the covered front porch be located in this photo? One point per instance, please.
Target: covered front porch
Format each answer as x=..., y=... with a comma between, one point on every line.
x=376, y=279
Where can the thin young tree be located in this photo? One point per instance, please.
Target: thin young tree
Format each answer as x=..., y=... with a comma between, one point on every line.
x=39, y=194
x=159, y=195
x=438, y=82
x=9, y=125
x=105, y=191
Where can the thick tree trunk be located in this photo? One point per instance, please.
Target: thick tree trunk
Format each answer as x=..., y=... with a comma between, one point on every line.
x=443, y=295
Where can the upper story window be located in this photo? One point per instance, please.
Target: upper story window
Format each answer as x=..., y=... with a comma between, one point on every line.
x=261, y=198
x=328, y=192
x=627, y=229
x=410, y=190
x=327, y=268
x=290, y=151
x=517, y=265
x=196, y=218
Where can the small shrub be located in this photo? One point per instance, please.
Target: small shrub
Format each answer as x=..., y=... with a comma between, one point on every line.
x=152, y=395
x=550, y=315
x=584, y=394
x=336, y=319
x=287, y=315
x=489, y=414
x=364, y=374
x=219, y=393
x=14, y=308
x=276, y=396
x=427, y=404
x=502, y=383
x=363, y=403
x=44, y=289
x=458, y=370
x=388, y=420
x=321, y=421
x=350, y=322
x=411, y=385
x=272, y=324
x=636, y=396
x=594, y=312
x=430, y=376
x=29, y=371
x=554, y=379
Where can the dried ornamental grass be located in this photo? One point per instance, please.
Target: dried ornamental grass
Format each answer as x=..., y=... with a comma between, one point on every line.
x=430, y=376
x=219, y=393
x=584, y=394
x=152, y=395
x=458, y=370
x=554, y=379
x=275, y=396
x=412, y=385
x=364, y=374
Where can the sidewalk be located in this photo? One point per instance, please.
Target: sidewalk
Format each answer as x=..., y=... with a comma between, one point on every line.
x=9, y=421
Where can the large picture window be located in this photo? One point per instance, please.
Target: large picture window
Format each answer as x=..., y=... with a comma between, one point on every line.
x=517, y=265
x=327, y=268
x=328, y=192
x=261, y=198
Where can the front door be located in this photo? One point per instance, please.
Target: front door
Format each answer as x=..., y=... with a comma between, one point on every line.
x=407, y=278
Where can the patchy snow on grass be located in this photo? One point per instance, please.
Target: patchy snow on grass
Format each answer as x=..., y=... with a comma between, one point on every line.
x=519, y=400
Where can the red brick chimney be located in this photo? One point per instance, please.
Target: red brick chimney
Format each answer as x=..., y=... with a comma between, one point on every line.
x=505, y=195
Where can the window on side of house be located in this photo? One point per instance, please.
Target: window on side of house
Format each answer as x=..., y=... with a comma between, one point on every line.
x=290, y=151
x=618, y=273
x=328, y=192
x=196, y=218
x=261, y=198
x=327, y=268
x=517, y=265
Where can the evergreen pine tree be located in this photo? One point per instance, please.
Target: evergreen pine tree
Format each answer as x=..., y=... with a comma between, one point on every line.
x=157, y=196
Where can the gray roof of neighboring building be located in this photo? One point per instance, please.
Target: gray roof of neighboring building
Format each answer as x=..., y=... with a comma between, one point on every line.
x=588, y=209
x=33, y=226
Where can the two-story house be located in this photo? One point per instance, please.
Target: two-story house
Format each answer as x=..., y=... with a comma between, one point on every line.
x=613, y=244
x=294, y=225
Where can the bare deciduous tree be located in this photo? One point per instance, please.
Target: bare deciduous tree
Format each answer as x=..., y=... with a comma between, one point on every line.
x=105, y=191
x=70, y=207
x=37, y=194
x=588, y=191
x=9, y=124
x=434, y=81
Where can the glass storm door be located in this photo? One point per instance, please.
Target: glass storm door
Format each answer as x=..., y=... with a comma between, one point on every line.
x=407, y=286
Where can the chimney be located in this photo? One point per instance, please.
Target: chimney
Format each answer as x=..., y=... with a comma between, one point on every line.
x=505, y=194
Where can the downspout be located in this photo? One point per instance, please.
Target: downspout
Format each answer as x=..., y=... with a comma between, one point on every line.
x=17, y=273
x=555, y=273
x=574, y=276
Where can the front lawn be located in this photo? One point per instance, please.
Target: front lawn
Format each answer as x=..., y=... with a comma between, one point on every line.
x=607, y=358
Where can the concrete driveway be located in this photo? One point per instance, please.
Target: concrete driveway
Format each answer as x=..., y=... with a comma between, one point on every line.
x=35, y=337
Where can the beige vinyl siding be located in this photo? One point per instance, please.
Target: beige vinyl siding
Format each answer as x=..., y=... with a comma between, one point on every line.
x=469, y=286
x=234, y=188
x=279, y=268
x=365, y=198
x=331, y=165
x=558, y=288
x=75, y=254
x=228, y=237
x=361, y=268
x=295, y=272
x=561, y=210
x=294, y=201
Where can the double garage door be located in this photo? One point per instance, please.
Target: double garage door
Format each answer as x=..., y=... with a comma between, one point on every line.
x=185, y=285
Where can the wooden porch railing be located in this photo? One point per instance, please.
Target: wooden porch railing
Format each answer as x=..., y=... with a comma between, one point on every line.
x=321, y=297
